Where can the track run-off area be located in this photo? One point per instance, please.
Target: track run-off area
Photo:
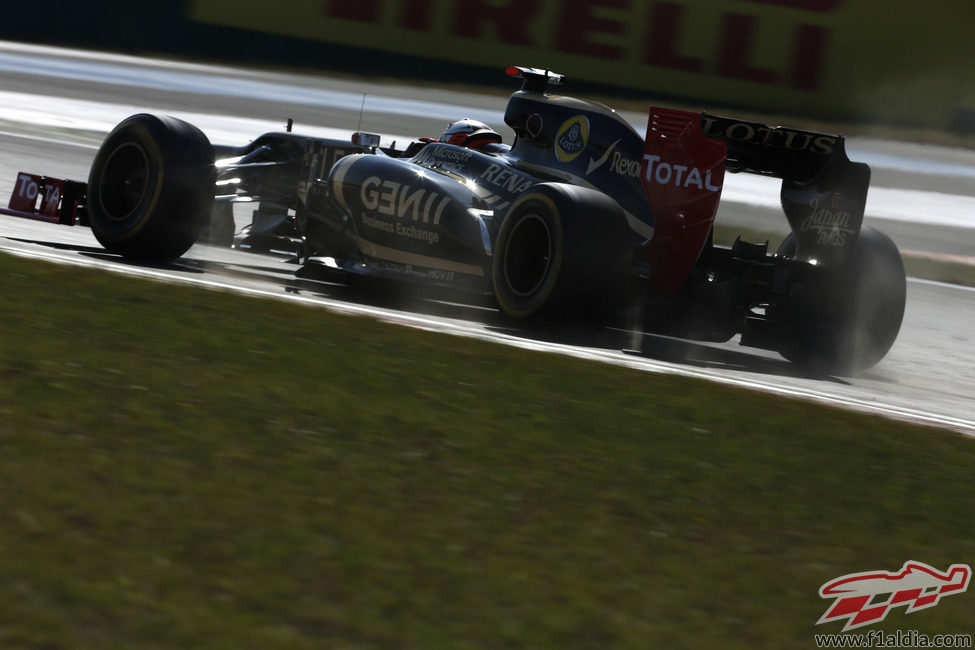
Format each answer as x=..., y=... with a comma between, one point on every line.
x=56, y=105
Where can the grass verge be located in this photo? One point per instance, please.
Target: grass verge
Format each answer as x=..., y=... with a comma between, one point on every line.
x=189, y=468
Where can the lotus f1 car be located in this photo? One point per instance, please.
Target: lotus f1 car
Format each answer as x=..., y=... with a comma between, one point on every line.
x=579, y=216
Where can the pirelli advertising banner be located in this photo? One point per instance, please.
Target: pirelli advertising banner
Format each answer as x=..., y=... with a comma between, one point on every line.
x=910, y=62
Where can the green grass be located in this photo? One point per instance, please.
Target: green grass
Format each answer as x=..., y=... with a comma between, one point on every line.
x=952, y=272
x=183, y=468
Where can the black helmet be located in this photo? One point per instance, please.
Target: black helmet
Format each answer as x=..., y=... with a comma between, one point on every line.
x=469, y=133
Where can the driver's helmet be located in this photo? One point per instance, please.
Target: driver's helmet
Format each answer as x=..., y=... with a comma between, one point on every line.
x=470, y=133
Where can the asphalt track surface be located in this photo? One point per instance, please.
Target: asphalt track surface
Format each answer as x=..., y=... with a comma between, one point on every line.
x=56, y=105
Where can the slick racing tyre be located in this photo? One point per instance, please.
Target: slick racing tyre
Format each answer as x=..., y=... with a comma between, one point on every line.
x=561, y=249
x=850, y=317
x=150, y=188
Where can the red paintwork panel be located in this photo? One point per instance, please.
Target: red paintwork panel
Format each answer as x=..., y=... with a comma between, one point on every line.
x=682, y=174
x=41, y=197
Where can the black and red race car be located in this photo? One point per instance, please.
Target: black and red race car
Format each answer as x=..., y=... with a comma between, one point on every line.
x=579, y=216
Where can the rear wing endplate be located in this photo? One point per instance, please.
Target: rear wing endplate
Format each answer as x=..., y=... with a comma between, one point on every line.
x=43, y=198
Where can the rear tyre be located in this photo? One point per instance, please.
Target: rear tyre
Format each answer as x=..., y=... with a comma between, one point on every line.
x=150, y=188
x=849, y=318
x=561, y=250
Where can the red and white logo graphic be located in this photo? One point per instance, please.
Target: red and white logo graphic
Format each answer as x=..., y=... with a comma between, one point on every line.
x=865, y=598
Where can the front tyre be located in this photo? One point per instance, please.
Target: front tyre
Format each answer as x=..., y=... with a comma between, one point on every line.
x=561, y=250
x=150, y=188
x=850, y=318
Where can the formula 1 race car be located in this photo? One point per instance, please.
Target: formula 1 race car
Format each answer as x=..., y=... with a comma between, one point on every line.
x=579, y=216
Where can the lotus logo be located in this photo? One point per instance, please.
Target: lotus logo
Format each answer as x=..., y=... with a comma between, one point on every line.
x=571, y=138
x=866, y=598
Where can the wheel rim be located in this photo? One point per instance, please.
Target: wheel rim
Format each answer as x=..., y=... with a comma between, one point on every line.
x=124, y=182
x=528, y=255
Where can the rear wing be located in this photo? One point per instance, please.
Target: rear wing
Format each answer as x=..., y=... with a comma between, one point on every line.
x=43, y=198
x=686, y=156
x=824, y=193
